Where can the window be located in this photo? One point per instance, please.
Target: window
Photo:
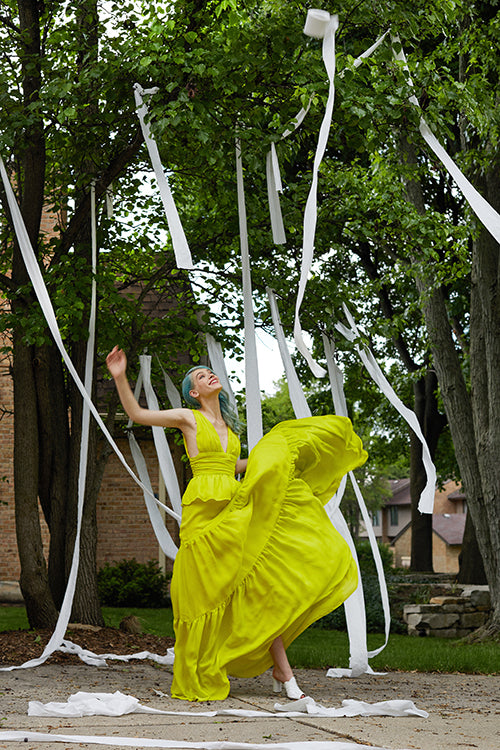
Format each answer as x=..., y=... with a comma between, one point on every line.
x=376, y=518
x=393, y=510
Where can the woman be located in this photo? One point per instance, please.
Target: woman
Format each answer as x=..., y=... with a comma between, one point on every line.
x=259, y=560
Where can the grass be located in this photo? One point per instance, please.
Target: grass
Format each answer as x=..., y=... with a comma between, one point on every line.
x=330, y=648
x=156, y=621
x=319, y=649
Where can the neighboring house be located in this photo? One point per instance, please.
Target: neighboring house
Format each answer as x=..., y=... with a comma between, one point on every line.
x=392, y=525
x=447, y=535
x=396, y=513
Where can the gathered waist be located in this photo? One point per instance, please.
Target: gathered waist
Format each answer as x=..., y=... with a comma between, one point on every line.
x=217, y=463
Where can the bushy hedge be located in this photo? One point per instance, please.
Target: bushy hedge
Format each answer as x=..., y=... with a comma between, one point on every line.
x=131, y=584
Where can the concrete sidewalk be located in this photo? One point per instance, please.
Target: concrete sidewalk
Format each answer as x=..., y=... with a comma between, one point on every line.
x=463, y=709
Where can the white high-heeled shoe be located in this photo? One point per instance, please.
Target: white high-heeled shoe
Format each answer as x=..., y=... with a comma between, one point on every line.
x=292, y=690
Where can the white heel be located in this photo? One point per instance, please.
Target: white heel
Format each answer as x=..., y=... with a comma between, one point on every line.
x=292, y=690
x=277, y=685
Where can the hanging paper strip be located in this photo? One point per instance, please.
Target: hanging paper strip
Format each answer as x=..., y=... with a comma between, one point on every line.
x=297, y=397
x=336, y=379
x=277, y=226
x=357, y=62
x=359, y=634
x=357, y=624
x=319, y=24
x=252, y=389
x=162, y=534
x=165, y=460
x=355, y=605
x=152, y=502
x=179, y=242
x=173, y=394
x=109, y=202
x=483, y=210
x=426, y=502
x=274, y=185
x=157, y=522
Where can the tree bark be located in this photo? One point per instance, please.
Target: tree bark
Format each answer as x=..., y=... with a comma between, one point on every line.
x=34, y=583
x=40, y=607
x=485, y=387
x=432, y=424
x=86, y=607
x=470, y=560
x=53, y=440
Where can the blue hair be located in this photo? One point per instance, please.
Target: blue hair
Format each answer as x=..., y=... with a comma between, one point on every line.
x=228, y=413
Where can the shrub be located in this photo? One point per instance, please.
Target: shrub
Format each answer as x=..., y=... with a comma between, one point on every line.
x=365, y=557
x=132, y=584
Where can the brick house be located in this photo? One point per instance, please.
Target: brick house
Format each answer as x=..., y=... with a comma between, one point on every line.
x=392, y=525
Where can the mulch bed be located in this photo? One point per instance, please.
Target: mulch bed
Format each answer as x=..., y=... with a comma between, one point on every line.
x=18, y=646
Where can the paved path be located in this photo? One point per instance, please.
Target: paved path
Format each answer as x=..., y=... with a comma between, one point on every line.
x=463, y=709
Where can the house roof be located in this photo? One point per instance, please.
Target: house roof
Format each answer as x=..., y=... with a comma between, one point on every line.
x=400, y=489
x=450, y=527
x=400, y=492
x=457, y=495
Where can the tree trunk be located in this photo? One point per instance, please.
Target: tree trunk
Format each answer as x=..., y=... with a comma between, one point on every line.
x=432, y=423
x=40, y=606
x=53, y=442
x=34, y=584
x=421, y=523
x=86, y=607
x=485, y=388
x=471, y=563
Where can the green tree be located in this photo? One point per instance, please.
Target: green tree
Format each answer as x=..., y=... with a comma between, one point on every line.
x=433, y=268
x=68, y=120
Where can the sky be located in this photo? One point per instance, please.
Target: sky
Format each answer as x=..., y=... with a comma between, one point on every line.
x=270, y=365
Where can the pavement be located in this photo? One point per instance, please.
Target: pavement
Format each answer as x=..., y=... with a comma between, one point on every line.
x=463, y=710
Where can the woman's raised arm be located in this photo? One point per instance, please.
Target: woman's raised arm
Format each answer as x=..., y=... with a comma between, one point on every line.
x=183, y=419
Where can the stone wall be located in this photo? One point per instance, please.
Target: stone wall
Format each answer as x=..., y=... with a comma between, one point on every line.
x=449, y=616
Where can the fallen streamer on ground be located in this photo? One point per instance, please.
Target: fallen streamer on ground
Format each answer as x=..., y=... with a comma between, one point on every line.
x=118, y=704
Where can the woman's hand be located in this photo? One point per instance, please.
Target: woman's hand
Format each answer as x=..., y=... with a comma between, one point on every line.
x=241, y=466
x=116, y=362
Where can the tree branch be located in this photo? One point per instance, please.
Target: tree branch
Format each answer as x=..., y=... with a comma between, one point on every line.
x=83, y=208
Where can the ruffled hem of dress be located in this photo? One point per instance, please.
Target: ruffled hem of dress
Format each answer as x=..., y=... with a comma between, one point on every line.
x=289, y=627
x=271, y=547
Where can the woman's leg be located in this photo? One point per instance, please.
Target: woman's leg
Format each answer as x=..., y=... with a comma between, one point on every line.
x=282, y=670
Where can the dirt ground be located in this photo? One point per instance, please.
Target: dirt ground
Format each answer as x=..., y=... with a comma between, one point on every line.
x=18, y=646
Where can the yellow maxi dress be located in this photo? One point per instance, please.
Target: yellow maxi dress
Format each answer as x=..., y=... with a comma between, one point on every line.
x=257, y=558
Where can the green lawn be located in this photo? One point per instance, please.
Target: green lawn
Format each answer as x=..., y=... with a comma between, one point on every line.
x=329, y=648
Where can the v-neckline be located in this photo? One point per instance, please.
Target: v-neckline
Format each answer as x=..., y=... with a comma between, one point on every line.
x=224, y=450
